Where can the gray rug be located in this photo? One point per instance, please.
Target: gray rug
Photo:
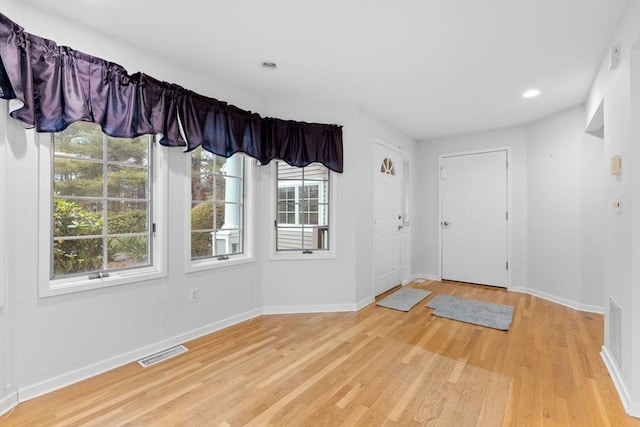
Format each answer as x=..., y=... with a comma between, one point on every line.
x=497, y=316
x=403, y=299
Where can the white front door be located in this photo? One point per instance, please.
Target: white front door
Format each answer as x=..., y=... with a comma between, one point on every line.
x=473, y=203
x=388, y=212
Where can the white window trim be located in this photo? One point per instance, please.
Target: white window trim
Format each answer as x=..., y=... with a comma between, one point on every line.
x=4, y=114
x=48, y=287
x=330, y=253
x=246, y=256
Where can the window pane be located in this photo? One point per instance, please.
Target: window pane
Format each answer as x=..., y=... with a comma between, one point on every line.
x=202, y=216
x=229, y=215
x=201, y=187
x=286, y=213
x=81, y=140
x=125, y=150
x=220, y=184
x=77, y=217
x=227, y=242
x=289, y=172
x=309, y=213
x=77, y=178
x=77, y=256
x=127, y=217
x=201, y=244
x=128, y=251
x=320, y=238
x=316, y=171
x=303, y=202
x=202, y=161
x=83, y=161
x=231, y=190
x=127, y=182
x=289, y=238
x=217, y=195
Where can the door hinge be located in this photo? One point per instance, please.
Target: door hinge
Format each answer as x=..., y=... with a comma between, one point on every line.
x=506, y=164
x=506, y=215
x=153, y=228
x=507, y=265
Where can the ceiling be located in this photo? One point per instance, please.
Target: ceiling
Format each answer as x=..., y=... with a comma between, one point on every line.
x=428, y=68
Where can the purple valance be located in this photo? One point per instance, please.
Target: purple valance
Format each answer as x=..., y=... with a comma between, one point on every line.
x=58, y=85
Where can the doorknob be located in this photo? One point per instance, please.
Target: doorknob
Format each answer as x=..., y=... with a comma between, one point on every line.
x=400, y=227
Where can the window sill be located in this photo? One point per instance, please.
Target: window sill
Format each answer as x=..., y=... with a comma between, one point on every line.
x=299, y=256
x=80, y=284
x=214, y=263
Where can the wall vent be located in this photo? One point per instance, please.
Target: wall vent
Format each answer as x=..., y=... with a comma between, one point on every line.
x=163, y=355
x=615, y=331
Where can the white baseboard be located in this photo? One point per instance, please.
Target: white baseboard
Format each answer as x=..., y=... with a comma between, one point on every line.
x=632, y=408
x=319, y=308
x=8, y=403
x=365, y=302
x=566, y=302
x=72, y=377
x=424, y=276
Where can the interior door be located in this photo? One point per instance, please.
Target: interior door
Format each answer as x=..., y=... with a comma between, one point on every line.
x=474, y=218
x=388, y=211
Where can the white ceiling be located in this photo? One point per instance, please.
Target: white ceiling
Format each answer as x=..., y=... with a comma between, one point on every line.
x=429, y=68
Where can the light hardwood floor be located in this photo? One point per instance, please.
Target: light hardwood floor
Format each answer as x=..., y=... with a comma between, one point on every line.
x=375, y=367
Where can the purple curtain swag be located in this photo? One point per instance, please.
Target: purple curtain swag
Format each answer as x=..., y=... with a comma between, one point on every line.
x=58, y=86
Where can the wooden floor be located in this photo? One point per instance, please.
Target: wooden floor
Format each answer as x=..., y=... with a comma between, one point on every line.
x=375, y=367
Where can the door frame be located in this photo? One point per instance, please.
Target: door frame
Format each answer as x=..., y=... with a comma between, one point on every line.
x=509, y=221
x=406, y=158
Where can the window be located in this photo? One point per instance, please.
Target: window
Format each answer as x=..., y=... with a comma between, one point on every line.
x=302, y=208
x=100, y=207
x=217, y=205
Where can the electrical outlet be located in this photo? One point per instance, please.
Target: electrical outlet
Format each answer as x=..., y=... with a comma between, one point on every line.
x=195, y=295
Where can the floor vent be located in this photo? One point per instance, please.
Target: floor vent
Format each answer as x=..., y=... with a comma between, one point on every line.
x=615, y=331
x=163, y=355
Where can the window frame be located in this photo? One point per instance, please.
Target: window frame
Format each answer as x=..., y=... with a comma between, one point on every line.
x=203, y=264
x=299, y=254
x=3, y=199
x=49, y=287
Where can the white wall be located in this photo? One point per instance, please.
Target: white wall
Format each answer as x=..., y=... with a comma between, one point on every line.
x=556, y=207
x=50, y=342
x=619, y=88
x=565, y=209
x=425, y=248
x=366, y=131
x=344, y=283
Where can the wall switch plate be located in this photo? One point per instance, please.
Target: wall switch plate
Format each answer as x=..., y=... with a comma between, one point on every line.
x=617, y=205
x=616, y=165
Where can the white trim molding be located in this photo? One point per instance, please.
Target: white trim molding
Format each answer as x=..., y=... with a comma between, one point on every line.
x=319, y=308
x=8, y=403
x=631, y=408
x=564, y=301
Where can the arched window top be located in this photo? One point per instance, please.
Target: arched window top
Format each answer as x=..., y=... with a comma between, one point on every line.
x=387, y=167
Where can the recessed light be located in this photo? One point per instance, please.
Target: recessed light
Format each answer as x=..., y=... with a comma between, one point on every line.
x=269, y=64
x=531, y=93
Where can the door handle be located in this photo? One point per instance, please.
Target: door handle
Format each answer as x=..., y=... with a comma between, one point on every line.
x=446, y=223
x=400, y=227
